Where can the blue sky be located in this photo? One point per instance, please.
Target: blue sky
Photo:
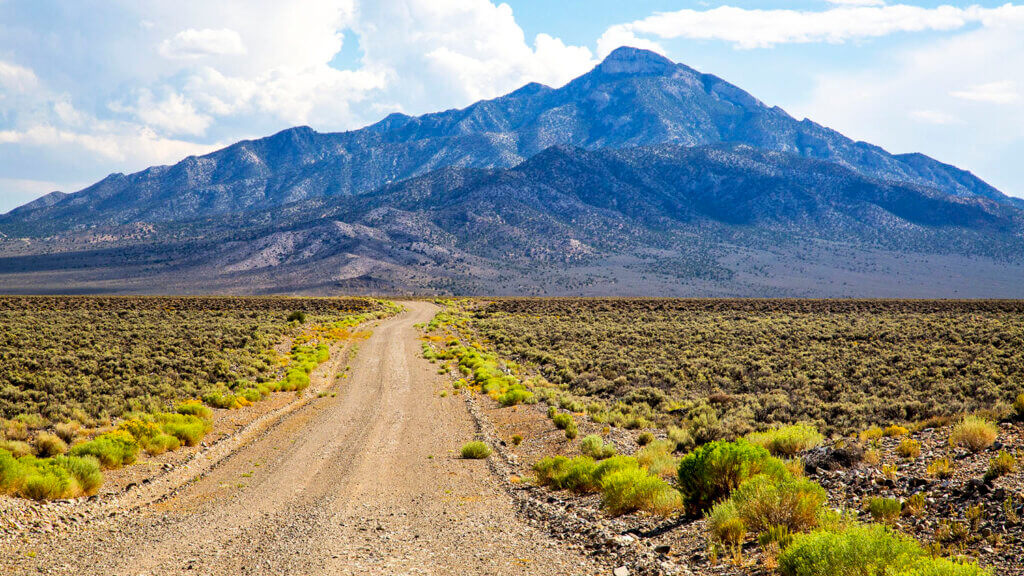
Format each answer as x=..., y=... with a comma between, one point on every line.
x=93, y=87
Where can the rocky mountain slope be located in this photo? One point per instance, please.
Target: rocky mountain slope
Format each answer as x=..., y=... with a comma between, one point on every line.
x=640, y=177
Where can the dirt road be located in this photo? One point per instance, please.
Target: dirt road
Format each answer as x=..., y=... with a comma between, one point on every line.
x=367, y=482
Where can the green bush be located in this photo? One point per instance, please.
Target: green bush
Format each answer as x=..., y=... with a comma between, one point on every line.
x=632, y=489
x=85, y=470
x=712, y=471
x=787, y=440
x=476, y=450
x=112, y=450
x=884, y=509
x=581, y=474
x=226, y=400
x=594, y=446
x=872, y=550
x=1018, y=405
x=48, y=478
x=297, y=316
x=763, y=502
x=645, y=438
x=942, y=567
x=517, y=395
x=190, y=430
x=156, y=445
x=973, y=433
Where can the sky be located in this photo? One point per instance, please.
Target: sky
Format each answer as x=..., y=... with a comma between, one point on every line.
x=92, y=87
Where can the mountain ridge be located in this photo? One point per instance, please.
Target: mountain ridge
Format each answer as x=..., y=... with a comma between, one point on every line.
x=633, y=98
x=641, y=177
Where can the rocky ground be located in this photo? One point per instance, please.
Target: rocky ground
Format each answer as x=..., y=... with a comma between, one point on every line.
x=652, y=545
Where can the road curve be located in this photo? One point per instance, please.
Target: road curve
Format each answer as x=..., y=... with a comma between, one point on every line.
x=367, y=482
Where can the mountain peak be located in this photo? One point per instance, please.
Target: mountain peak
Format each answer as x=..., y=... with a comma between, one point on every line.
x=629, y=60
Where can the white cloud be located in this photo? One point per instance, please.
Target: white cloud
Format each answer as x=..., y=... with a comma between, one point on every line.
x=857, y=2
x=1005, y=92
x=934, y=117
x=173, y=114
x=16, y=78
x=194, y=44
x=914, y=100
x=766, y=28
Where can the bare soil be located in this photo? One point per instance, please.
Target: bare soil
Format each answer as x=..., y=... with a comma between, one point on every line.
x=366, y=482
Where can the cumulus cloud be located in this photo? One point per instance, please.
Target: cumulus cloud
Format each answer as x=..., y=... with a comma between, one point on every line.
x=194, y=44
x=750, y=29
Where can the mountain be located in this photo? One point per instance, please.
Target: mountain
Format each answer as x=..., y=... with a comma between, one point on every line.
x=641, y=177
x=633, y=98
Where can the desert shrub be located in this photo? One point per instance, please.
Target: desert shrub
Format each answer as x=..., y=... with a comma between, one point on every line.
x=681, y=437
x=16, y=447
x=32, y=421
x=46, y=481
x=763, y=502
x=942, y=567
x=895, y=431
x=594, y=446
x=884, y=509
x=227, y=400
x=872, y=550
x=712, y=471
x=646, y=438
x=67, y=431
x=787, y=440
x=141, y=426
x=940, y=468
x=15, y=430
x=190, y=430
x=49, y=478
x=632, y=489
x=517, y=394
x=1001, y=464
x=561, y=420
x=11, y=472
x=112, y=450
x=657, y=458
x=517, y=439
x=725, y=524
x=156, y=445
x=194, y=408
x=872, y=456
x=297, y=316
x=475, y=450
x=872, y=433
x=49, y=445
x=973, y=433
x=86, y=472
x=1018, y=405
x=909, y=448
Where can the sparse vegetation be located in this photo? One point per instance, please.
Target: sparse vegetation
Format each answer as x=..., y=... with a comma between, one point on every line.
x=909, y=448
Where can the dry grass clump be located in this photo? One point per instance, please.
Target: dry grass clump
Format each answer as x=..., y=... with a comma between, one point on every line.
x=49, y=445
x=884, y=509
x=973, y=433
x=999, y=465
